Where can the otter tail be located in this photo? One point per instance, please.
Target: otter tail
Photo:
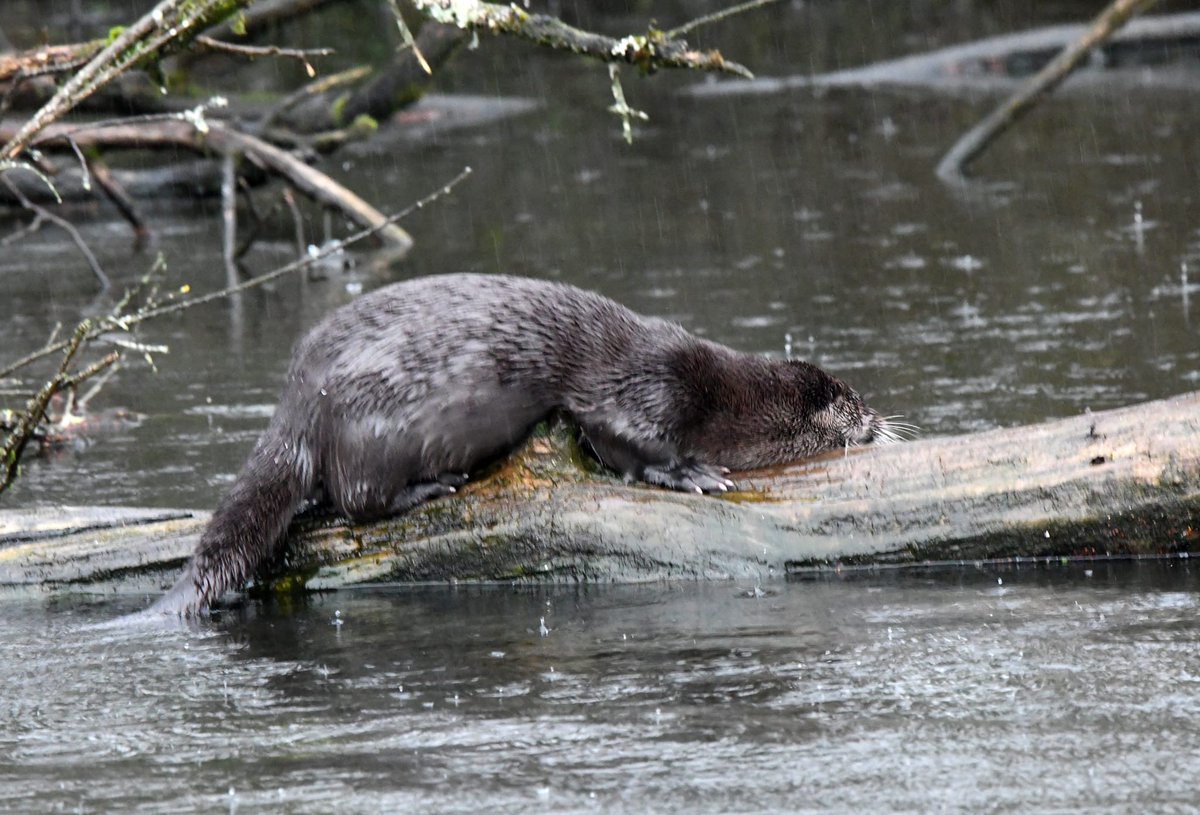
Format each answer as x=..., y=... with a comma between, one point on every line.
x=246, y=526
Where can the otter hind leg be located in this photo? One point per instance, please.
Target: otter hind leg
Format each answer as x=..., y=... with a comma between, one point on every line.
x=655, y=466
x=423, y=491
x=403, y=499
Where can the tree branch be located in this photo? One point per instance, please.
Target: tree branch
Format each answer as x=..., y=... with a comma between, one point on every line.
x=35, y=410
x=207, y=136
x=952, y=166
x=649, y=51
x=48, y=59
x=125, y=322
x=65, y=225
x=169, y=22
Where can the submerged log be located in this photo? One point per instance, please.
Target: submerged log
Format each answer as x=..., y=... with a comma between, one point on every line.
x=1124, y=481
x=997, y=64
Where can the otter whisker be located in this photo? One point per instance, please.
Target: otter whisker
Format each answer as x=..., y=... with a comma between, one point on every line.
x=891, y=431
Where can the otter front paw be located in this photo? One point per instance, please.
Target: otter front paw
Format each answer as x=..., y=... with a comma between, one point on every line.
x=689, y=476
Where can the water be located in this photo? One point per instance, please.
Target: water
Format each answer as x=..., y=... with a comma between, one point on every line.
x=801, y=219
x=1057, y=690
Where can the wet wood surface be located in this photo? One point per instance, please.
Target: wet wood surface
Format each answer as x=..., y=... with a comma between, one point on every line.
x=1124, y=481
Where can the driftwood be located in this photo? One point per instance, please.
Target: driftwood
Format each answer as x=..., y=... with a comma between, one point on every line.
x=981, y=66
x=1121, y=482
x=216, y=137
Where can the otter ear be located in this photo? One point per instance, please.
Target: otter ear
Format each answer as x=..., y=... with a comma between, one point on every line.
x=819, y=387
x=806, y=374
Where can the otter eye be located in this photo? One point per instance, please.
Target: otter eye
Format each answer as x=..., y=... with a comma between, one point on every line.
x=832, y=416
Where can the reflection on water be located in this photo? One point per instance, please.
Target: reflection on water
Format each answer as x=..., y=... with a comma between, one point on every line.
x=1067, y=689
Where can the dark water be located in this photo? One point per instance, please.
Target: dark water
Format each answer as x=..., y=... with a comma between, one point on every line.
x=1059, y=691
x=796, y=219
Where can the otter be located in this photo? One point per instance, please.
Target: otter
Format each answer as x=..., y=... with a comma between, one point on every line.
x=398, y=396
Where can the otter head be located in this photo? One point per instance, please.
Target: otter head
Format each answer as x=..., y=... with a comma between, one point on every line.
x=828, y=413
x=758, y=412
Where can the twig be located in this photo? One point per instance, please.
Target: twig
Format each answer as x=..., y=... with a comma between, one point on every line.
x=950, y=169
x=620, y=106
x=66, y=226
x=330, y=248
x=649, y=51
x=254, y=51
x=406, y=37
x=20, y=233
x=35, y=409
x=90, y=371
x=83, y=165
x=115, y=193
x=83, y=401
x=229, y=216
x=7, y=166
x=169, y=21
x=297, y=222
x=716, y=16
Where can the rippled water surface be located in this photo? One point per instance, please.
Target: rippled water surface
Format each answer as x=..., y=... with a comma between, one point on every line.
x=1042, y=690
x=798, y=222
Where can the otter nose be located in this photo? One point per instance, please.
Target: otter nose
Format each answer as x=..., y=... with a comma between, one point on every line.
x=868, y=430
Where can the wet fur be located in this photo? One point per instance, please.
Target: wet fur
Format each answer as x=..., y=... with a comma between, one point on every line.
x=393, y=398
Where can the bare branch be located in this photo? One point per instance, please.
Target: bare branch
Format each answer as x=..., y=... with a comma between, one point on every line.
x=68, y=227
x=196, y=132
x=976, y=140
x=649, y=51
x=115, y=193
x=254, y=51
x=330, y=248
x=406, y=37
x=171, y=21
x=716, y=16
x=48, y=59
x=35, y=409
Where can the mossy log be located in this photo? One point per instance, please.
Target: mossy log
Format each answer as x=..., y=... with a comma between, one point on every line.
x=1124, y=481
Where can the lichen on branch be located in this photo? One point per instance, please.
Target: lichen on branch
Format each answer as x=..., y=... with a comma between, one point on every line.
x=649, y=51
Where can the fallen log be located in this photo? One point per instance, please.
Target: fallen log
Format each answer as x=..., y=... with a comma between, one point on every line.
x=995, y=64
x=1120, y=482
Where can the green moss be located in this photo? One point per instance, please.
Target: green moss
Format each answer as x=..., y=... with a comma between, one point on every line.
x=238, y=24
x=364, y=125
x=338, y=109
x=748, y=497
